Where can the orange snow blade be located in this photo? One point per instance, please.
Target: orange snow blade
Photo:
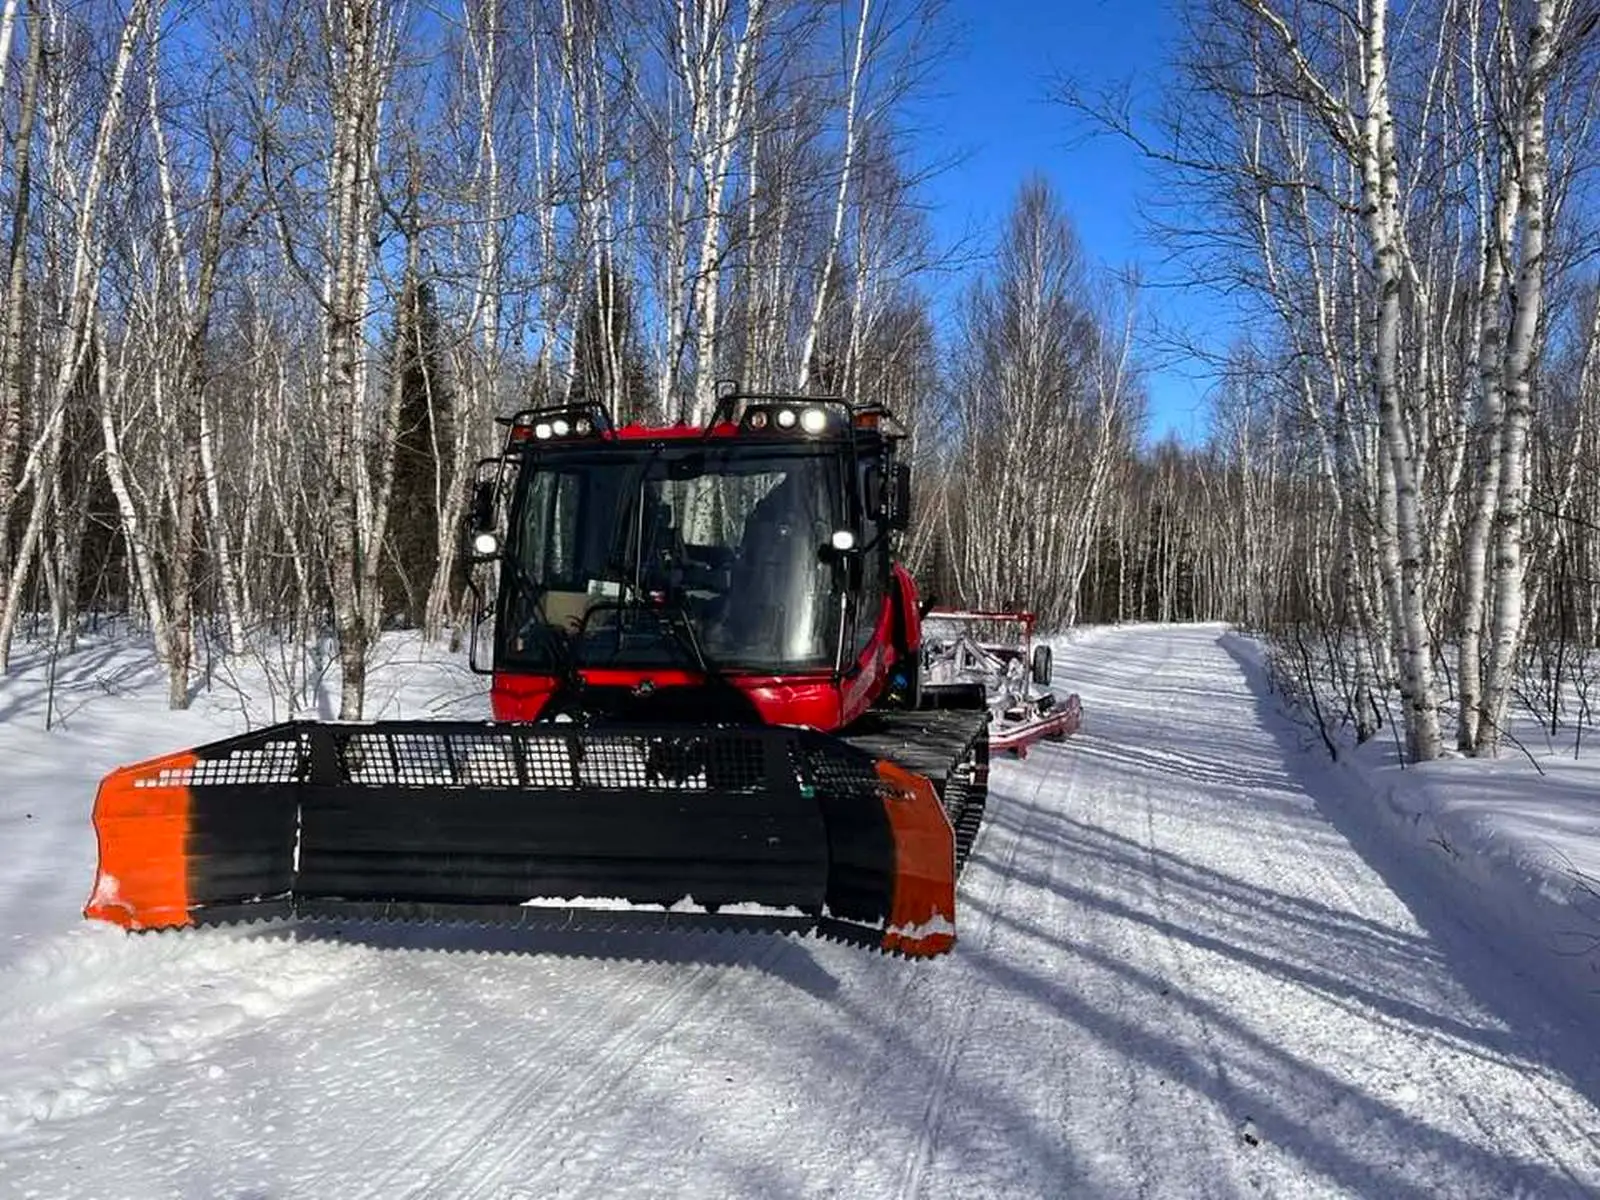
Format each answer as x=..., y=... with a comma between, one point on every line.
x=922, y=911
x=141, y=819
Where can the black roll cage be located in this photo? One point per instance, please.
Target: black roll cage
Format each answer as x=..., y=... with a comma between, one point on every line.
x=866, y=431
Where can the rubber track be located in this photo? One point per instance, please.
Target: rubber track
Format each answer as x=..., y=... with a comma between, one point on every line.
x=589, y=922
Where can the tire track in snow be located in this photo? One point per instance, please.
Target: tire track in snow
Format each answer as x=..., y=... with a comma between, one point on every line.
x=458, y=1141
x=592, y=1090
x=465, y=1157
x=1157, y=1125
x=955, y=1039
x=1188, y=985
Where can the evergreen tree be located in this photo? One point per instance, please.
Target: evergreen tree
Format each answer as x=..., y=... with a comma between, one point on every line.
x=606, y=365
x=422, y=449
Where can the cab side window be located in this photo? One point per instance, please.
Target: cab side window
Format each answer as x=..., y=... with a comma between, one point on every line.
x=875, y=553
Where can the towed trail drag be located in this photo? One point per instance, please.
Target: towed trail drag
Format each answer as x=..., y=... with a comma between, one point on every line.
x=1174, y=976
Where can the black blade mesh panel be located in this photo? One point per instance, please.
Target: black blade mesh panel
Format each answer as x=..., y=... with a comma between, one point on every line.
x=279, y=755
x=425, y=759
x=837, y=770
x=460, y=755
x=547, y=758
x=447, y=754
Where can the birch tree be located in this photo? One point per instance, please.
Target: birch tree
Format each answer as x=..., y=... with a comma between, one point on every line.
x=1531, y=163
x=12, y=365
x=360, y=56
x=80, y=293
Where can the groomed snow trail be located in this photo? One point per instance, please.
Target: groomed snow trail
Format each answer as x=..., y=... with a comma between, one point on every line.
x=1175, y=978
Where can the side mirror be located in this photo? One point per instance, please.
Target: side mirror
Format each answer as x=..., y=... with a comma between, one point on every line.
x=872, y=491
x=900, y=517
x=483, y=505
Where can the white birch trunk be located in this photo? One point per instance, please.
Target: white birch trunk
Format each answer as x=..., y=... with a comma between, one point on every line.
x=1381, y=201
x=841, y=198
x=82, y=292
x=1509, y=570
x=714, y=159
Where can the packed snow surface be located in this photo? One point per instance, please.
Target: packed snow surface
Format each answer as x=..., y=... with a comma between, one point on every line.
x=1186, y=967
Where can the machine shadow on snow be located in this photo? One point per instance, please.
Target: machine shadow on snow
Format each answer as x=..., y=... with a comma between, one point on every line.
x=787, y=959
x=1538, y=1026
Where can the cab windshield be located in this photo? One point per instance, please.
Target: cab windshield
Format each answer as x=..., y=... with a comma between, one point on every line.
x=694, y=556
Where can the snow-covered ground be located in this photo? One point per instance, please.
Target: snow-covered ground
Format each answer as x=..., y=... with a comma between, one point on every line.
x=1194, y=960
x=1514, y=842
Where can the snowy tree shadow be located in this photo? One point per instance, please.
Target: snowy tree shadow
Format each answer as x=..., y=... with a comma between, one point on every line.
x=1537, y=1026
x=1250, y=1076
x=92, y=672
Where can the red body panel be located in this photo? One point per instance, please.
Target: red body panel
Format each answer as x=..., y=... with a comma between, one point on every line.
x=725, y=429
x=905, y=588
x=802, y=699
x=519, y=696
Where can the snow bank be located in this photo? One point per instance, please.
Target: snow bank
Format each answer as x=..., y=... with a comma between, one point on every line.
x=1516, y=851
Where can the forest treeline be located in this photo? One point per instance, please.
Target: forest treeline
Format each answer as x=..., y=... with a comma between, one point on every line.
x=1402, y=483
x=271, y=270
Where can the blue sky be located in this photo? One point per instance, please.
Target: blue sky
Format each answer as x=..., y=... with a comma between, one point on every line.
x=991, y=103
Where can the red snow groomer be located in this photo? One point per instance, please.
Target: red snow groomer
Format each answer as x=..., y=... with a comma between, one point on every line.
x=996, y=650
x=708, y=711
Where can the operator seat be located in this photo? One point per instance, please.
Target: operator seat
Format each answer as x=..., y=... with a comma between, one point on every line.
x=772, y=583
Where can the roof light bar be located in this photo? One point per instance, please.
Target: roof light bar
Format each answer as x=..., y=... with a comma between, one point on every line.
x=558, y=421
x=798, y=417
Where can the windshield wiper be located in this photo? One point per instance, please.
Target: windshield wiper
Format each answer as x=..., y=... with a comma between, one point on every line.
x=669, y=614
x=685, y=628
